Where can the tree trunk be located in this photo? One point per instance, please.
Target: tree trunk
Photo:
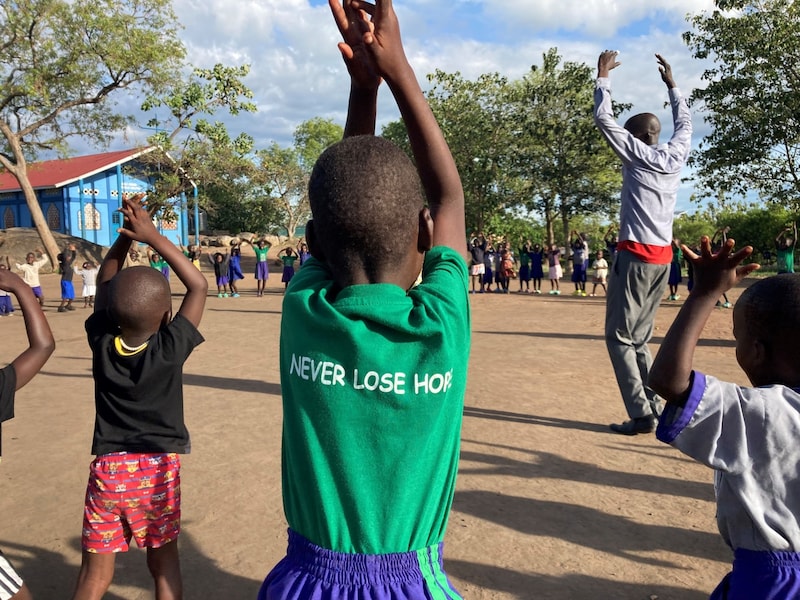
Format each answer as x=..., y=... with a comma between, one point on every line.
x=39, y=221
x=19, y=170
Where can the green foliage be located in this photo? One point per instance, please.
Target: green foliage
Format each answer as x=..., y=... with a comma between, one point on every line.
x=312, y=137
x=281, y=175
x=567, y=167
x=525, y=145
x=191, y=149
x=473, y=116
x=751, y=100
x=62, y=59
x=515, y=227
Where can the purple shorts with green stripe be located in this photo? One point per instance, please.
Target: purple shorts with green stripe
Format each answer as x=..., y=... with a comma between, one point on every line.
x=310, y=572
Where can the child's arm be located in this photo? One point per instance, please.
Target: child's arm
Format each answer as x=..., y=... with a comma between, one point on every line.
x=40, y=338
x=364, y=81
x=714, y=274
x=139, y=227
x=435, y=164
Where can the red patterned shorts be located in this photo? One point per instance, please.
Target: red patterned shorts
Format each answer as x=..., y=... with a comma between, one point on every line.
x=132, y=495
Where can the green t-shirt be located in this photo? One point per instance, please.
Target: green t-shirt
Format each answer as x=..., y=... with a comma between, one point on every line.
x=261, y=253
x=288, y=260
x=785, y=260
x=373, y=393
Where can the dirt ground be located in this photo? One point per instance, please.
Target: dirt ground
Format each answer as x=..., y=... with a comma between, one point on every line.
x=549, y=504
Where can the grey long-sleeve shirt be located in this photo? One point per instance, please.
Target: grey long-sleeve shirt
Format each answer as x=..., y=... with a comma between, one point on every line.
x=651, y=175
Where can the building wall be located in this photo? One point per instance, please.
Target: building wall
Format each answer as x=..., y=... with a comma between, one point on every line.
x=86, y=208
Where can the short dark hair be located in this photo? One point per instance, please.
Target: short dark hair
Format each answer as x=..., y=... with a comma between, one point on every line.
x=772, y=309
x=138, y=299
x=365, y=197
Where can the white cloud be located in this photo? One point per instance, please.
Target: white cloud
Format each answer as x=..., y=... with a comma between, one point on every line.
x=297, y=73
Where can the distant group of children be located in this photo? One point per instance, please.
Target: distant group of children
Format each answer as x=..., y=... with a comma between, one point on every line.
x=228, y=269
x=369, y=462
x=496, y=264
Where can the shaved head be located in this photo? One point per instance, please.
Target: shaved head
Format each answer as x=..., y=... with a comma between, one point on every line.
x=644, y=127
x=139, y=297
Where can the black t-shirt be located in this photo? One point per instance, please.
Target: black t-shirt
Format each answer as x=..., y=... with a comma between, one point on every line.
x=8, y=386
x=66, y=260
x=139, y=396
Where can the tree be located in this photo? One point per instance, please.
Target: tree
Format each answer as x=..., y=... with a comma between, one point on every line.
x=284, y=172
x=61, y=60
x=752, y=99
x=283, y=180
x=474, y=118
x=559, y=154
x=192, y=150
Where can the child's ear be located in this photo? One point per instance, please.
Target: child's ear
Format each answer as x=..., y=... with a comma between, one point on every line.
x=425, y=235
x=311, y=241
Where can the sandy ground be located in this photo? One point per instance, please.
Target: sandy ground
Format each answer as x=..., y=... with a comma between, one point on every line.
x=550, y=503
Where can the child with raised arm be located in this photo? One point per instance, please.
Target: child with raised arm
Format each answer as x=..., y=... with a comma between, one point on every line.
x=22, y=369
x=375, y=433
x=785, y=243
x=30, y=272
x=138, y=352
x=748, y=435
x=220, y=263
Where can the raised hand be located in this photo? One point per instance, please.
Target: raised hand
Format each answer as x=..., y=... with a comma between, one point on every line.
x=715, y=274
x=382, y=36
x=606, y=62
x=666, y=71
x=353, y=24
x=138, y=224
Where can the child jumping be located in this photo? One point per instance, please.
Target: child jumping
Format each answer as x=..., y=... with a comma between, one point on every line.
x=748, y=435
x=376, y=433
x=22, y=369
x=138, y=355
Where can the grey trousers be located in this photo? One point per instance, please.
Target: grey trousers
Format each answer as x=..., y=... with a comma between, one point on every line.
x=635, y=289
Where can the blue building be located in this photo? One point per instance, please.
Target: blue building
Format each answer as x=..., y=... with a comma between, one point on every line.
x=80, y=196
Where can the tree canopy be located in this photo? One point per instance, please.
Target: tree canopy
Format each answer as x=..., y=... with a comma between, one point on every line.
x=60, y=60
x=751, y=100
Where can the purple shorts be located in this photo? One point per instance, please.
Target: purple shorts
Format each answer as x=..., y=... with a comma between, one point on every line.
x=37, y=291
x=262, y=270
x=312, y=573
x=761, y=576
x=222, y=280
x=578, y=274
x=288, y=273
x=6, y=307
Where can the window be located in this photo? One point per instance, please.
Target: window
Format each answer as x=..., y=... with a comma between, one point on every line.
x=91, y=218
x=53, y=218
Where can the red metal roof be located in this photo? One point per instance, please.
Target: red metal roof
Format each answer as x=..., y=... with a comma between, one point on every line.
x=58, y=173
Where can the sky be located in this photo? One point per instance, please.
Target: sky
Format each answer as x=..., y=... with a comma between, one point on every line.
x=297, y=72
